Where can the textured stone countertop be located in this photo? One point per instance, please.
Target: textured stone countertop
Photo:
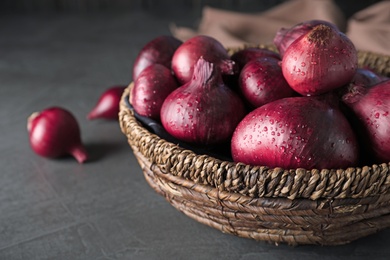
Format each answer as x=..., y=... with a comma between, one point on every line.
x=104, y=209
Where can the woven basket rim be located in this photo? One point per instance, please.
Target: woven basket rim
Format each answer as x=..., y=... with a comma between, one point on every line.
x=351, y=182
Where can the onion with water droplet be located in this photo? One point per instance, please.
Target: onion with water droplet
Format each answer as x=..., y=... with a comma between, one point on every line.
x=261, y=81
x=285, y=36
x=203, y=111
x=295, y=132
x=211, y=50
x=372, y=109
x=150, y=89
x=319, y=61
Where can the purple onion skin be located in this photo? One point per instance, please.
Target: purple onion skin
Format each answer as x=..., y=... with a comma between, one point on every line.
x=150, y=89
x=242, y=57
x=261, y=81
x=372, y=109
x=319, y=61
x=211, y=50
x=107, y=106
x=160, y=50
x=203, y=111
x=284, y=37
x=54, y=132
x=295, y=132
x=365, y=78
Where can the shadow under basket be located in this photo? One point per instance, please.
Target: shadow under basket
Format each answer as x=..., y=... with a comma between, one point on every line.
x=297, y=207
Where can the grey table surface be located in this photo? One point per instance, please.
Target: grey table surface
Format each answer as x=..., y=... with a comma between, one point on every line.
x=104, y=209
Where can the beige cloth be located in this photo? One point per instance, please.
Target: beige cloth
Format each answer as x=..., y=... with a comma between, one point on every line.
x=234, y=29
x=369, y=29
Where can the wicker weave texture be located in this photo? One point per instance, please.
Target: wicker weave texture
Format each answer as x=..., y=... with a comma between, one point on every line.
x=324, y=222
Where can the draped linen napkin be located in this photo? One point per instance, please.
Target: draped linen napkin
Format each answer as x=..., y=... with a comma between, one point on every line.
x=369, y=29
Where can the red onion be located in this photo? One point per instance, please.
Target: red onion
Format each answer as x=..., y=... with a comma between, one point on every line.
x=261, y=81
x=186, y=56
x=203, y=111
x=319, y=61
x=284, y=37
x=373, y=70
x=372, y=108
x=295, y=132
x=160, y=50
x=246, y=55
x=365, y=78
x=54, y=132
x=107, y=106
x=150, y=89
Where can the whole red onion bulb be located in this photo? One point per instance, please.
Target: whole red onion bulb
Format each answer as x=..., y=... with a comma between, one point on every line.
x=295, y=132
x=54, y=132
x=107, y=107
x=319, y=61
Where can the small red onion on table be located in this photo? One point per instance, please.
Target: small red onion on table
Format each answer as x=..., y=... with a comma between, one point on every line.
x=107, y=107
x=261, y=81
x=150, y=89
x=160, y=50
x=285, y=36
x=203, y=111
x=319, y=61
x=54, y=132
x=211, y=50
x=295, y=132
x=372, y=109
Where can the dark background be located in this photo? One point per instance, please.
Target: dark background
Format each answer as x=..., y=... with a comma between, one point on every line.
x=349, y=7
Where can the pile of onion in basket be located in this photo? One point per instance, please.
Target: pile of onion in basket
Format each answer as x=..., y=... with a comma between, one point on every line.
x=306, y=106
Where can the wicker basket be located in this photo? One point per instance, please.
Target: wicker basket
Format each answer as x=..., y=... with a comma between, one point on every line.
x=319, y=206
